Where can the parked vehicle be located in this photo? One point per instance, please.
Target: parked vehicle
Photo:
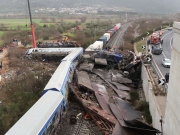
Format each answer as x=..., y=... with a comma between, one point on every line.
x=166, y=62
x=156, y=50
x=170, y=28
x=155, y=38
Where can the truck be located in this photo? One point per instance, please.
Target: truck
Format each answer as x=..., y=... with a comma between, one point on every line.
x=155, y=38
x=64, y=38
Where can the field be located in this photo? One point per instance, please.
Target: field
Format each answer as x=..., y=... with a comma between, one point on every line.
x=139, y=45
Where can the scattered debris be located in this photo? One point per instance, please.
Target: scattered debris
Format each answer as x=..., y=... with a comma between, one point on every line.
x=73, y=119
x=100, y=61
x=83, y=80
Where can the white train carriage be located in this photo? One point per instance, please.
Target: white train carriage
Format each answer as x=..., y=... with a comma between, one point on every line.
x=42, y=118
x=64, y=74
x=59, y=78
x=47, y=50
x=74, y=55
x=97, y=46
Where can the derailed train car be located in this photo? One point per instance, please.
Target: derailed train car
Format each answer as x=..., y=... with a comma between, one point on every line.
x=48, y=53
x=64, y=73
x=42, y=118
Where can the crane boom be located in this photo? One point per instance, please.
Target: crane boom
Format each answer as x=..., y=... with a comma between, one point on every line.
x=32, y=27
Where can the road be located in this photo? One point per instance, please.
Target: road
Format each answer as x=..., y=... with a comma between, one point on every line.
x=117, y=39
x=167, y=45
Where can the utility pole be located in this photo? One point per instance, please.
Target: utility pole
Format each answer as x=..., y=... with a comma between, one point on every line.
x=32, y=27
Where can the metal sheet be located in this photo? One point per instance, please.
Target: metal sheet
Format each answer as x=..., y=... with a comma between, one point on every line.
x=101, y=61
x=128, y=112
x=117, y=77
x=99, y=88
x=102, y=114
x=105, y=76
x=121, y=94
x=114, y=108
x=138, y=126
x=121, y=86
x=103, y=101
x=83, y=79
x=92, y=106
x=123, y=80
x=86, y=66
x=118, y=130
x=102, y=73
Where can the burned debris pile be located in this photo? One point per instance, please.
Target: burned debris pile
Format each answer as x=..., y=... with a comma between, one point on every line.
x=102, y=86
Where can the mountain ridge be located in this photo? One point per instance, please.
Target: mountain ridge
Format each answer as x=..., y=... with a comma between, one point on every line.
x=149, y=6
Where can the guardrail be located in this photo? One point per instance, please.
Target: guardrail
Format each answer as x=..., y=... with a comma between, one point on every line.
x=159, y=74
x=155, y=67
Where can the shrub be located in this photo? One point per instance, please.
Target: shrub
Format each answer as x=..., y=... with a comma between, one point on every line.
x=45, y=38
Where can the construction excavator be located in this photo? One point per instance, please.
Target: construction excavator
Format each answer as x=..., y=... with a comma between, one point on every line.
x=64, y=38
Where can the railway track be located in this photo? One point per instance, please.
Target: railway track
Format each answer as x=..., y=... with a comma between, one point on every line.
x=81, y=127
x=117, y=39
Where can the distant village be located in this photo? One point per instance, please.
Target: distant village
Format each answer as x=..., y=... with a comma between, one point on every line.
x=84, y=10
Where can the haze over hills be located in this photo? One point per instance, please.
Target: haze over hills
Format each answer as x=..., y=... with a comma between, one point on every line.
x=150, y=6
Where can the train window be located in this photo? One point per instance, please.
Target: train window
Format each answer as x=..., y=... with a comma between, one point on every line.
x=56, y=115
x=50, y=129
x=53, y=120
x=44, y=133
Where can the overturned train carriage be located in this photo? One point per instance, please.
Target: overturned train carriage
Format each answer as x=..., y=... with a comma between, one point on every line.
x=64, y=74
x=48, y=53
x=42, y=118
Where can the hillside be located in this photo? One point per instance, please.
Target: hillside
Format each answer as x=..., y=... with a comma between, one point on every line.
x=151, y=6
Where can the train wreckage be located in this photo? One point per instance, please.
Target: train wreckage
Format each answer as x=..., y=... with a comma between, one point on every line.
x=102, y=82
x=102, y=87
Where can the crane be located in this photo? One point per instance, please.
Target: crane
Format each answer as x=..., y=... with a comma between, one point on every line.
x=32, y=27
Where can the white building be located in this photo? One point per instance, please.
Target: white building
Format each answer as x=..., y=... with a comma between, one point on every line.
x=172, y=113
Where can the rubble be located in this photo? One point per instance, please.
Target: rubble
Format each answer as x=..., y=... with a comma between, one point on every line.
x=104, y=94
x=83, y=80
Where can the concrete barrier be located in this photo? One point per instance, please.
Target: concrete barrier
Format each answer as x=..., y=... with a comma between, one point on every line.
x=150, y=97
